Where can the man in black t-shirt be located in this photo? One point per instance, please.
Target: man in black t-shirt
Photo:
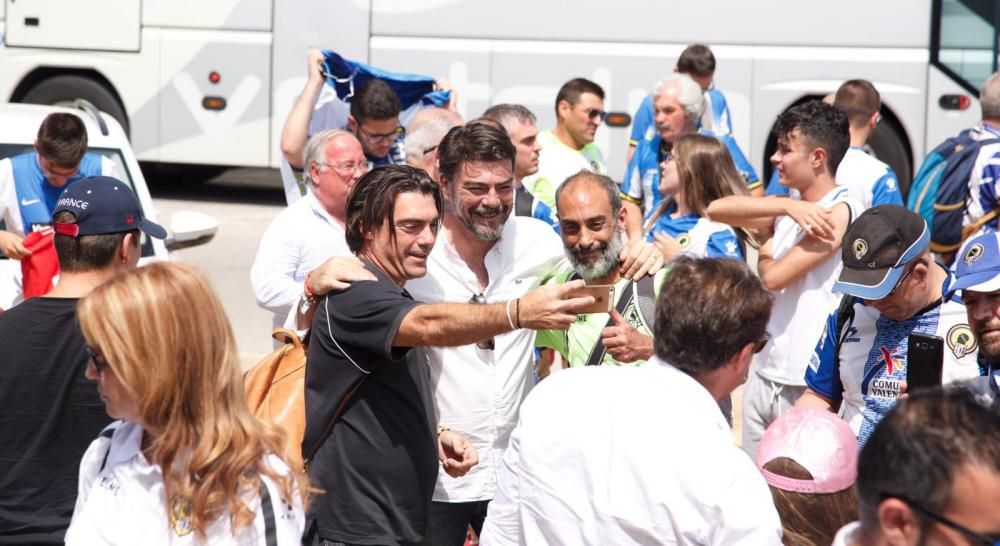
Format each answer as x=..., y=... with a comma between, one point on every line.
x=377, y=463
x=49, y=413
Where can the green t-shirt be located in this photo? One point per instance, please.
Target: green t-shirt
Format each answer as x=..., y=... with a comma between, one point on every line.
x=576, y=343
x=557, y=162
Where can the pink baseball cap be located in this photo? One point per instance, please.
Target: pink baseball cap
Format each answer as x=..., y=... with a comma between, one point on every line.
x=820, y=442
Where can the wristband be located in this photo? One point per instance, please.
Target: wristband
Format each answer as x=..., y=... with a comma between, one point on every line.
x=442, y=428
x=517, y=311
x=509, y=320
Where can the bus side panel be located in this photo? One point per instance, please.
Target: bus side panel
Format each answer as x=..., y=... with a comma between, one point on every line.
x=213, y=15
x=942, y=123
x=298, y=25
x=191, y=132
x=784, y=75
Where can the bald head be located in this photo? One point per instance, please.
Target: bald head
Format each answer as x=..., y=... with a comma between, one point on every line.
x=424, y=133
x=989, y=98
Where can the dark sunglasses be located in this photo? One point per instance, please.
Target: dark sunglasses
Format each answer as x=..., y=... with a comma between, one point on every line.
x=595, y=113
x=486, y=344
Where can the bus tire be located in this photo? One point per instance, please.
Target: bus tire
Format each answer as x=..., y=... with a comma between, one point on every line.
x=63, y=90
x=890, y=145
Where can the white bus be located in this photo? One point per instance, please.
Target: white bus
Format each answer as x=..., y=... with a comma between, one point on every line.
x=211, y=81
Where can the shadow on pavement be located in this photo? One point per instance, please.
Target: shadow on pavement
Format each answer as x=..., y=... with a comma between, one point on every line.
x=198, y=183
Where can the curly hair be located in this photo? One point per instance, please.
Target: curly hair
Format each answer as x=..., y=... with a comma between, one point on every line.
x=167, y=340
x=821, y=125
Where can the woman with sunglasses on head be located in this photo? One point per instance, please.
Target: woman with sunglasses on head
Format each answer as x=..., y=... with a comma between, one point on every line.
x=186, y=463
x=698, y=171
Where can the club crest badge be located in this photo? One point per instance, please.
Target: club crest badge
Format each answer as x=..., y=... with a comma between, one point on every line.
x=961, y=341
x=180, y=515
x=860, y=247
x=684, y=240
x=973, y=253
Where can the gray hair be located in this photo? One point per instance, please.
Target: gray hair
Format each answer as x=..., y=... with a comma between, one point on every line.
x=606, y=183
x=686, y=90
x=315, y=150
x=509, y=114
x=426, y=130
x=989, y=97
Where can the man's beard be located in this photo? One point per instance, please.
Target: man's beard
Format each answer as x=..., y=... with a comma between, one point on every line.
x=604, y=263
x=480, y=231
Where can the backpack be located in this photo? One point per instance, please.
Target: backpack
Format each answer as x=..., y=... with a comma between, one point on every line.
x=843, y=323
x=940, y=190
x=276, y=393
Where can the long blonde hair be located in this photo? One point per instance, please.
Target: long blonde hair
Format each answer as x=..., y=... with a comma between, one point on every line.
x=706, y=172
x=166, y=338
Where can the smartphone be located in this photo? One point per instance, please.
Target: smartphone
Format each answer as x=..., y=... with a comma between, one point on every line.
x=603, y=294
x=925, y=357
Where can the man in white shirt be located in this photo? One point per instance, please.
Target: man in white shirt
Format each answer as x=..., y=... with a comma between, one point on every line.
x=483, y=255
x=570, y=146
x=869, y=180
x=799, y=257
x=642, y=455
x=311, y=230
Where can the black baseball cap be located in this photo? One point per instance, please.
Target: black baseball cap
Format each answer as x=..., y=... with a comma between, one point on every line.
x=876, y=249
x=101, y=205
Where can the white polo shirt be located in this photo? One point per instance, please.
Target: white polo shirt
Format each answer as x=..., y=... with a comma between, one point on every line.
x=627, y=455
x=556, y=163
x=125, y=502
x=298, y=240
x=478, y=392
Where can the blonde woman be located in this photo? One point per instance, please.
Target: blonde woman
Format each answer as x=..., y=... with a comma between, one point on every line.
x=698, y=171
x=186, y=463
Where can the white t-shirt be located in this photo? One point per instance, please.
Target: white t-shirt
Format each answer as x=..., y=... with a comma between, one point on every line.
x=800, y=309
x=124, y=502
x=478, y=392
x=627, y=455
x=870, y=181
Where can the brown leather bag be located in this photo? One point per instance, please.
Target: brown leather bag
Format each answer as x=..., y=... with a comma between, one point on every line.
x=275, y=389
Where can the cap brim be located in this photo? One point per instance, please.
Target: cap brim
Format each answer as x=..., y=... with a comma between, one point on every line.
x=869, y=284
x=152, y=229
x=980, y=281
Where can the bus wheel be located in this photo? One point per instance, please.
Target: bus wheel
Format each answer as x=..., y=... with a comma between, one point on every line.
x=890, y=144
x=63, y=90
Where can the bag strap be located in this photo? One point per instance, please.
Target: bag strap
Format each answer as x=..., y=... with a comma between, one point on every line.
x=267, y=508
x=843, y=323
x=599, y=350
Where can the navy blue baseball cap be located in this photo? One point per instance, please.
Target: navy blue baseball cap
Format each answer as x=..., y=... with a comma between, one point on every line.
x=979, y=264
x=102, y=205
x=876, y=249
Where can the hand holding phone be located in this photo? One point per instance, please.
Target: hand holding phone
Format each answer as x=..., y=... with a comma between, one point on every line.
x=603, y=295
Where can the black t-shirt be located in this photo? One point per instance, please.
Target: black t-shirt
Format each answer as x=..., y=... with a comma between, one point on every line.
x=49, y=414
x=378, y=466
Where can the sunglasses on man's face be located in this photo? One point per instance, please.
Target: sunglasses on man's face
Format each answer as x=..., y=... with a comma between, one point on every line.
x=593, y=113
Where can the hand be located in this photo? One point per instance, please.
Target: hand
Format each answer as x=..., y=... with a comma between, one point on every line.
x=903, y=391
x=814, y=219
x=336, y=274
x=456, y=454
x=12, y=246
x=639, y=259
x=668, y=246
x=444, y=85
x=552, y=307
x=624, y=343
x=314, y=65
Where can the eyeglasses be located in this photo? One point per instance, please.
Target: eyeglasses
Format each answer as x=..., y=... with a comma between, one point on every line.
x=900, y=281
x=978, y=538
x=347, y=169
x=97, y=359
x=382, y=137
x=758, y=345
x=486, y=344
x=595, y=113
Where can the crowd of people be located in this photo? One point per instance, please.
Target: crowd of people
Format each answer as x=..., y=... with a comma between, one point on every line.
x=506, y=345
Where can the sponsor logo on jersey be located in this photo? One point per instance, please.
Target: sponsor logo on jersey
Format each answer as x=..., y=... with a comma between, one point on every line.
x=852, y=336
x=28, y=202
x=961, y=341
x=891, y=360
